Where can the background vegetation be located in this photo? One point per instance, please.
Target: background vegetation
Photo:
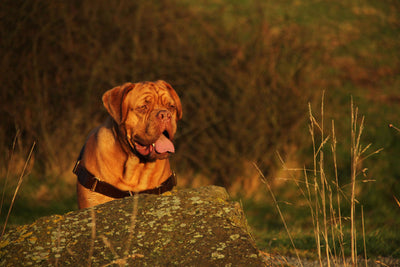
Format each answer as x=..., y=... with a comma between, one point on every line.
x=245, y=71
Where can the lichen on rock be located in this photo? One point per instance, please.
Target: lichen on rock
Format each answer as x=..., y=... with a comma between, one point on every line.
x=190, y=227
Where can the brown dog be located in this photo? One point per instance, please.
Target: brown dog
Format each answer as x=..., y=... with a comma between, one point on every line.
x=129, y=152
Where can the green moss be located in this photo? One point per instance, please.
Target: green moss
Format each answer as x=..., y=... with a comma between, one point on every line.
x=180, y=228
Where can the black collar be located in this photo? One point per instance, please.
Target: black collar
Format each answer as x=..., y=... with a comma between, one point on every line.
x=94, y=184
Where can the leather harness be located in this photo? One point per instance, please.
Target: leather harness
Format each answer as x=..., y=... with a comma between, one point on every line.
x=94, y=184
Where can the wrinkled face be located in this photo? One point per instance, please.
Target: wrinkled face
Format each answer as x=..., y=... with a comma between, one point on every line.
x=147, y=116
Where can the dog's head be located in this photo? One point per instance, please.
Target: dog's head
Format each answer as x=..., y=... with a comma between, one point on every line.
x=146, y=114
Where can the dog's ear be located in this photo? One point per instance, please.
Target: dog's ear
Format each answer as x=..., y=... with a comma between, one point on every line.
x=113, y=101
x=176, y=99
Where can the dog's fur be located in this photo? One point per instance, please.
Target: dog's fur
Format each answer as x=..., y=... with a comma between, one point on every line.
x=130, y=150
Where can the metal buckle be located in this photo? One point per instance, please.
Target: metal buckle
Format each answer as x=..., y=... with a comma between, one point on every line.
x=76, y=166
x=175, y=180
x=96, y=180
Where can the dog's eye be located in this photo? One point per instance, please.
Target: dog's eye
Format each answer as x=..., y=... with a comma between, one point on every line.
x=171, y=107
x=142, y=108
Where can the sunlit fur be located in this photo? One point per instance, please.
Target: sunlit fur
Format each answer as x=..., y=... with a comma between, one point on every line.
x=109, y=150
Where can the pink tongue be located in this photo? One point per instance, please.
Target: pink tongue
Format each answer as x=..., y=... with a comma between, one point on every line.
x=163, y=145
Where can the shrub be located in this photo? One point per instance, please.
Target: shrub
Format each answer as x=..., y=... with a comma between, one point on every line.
x=243, y=88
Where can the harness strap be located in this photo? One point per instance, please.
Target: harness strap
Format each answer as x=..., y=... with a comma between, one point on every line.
x=94, y=184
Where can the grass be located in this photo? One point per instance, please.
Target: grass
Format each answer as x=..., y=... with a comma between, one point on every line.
x=245, y=71
x=278, y=55
x=271, y=235
x=16, y=190
x=335, y=228
x=324, y=220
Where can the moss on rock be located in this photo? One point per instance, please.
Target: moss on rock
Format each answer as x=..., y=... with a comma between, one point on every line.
x=187, y=227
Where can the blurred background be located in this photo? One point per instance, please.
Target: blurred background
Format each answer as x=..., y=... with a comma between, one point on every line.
x=247, y=73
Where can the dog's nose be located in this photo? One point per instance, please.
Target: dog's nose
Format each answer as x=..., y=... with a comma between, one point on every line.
x=164, y=115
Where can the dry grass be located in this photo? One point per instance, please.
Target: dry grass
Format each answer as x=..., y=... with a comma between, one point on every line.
x=244, y=71
x=324, y=194
x=264, y=180
x=16, y=189
x=122, y=259
x=394, y=127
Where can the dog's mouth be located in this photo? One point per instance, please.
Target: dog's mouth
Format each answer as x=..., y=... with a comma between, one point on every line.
x=162, y=145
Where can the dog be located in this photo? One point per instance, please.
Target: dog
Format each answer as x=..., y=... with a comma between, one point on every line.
x=128, y=154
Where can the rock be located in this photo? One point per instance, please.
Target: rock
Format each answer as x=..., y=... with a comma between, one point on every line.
x=191, y=227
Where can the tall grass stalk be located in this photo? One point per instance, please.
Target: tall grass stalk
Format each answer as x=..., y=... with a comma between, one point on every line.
x=264, y=180
x=17, y=188
x=338, y=221
x=8, y=169
x=328, y=219
x=356, y=131
x=363, y=229
x=324, y=193
x=394, y=127
x=323, y=196
x=323, y=181
x=123, y=259
x=397, y=201
x=316, y=217
x=133, y=222
x=93, y=215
